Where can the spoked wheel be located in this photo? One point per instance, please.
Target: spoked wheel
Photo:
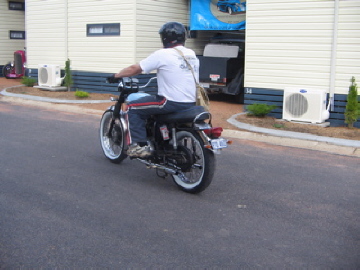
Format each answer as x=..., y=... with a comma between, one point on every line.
x=7, y=69
x=197, y=163
x=112, y=142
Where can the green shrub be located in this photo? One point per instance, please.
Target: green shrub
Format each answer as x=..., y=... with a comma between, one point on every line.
x=68, y=81
x=27, y=81
x=81, y=94
x=259, y=109
x=352, y=110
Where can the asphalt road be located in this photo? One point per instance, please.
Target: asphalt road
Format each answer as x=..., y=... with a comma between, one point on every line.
x=62, y=204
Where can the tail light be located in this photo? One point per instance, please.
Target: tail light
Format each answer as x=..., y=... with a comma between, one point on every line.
x=214, y=132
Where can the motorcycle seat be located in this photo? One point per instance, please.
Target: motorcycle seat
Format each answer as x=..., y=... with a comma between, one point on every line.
x=185, y=116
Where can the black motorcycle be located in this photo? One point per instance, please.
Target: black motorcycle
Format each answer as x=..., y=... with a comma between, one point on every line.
x=183, y=143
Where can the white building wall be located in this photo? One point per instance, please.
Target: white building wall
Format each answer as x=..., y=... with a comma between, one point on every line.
x=348, y=45
x=289, y=43
x=46, y=35
x=151, y=15
x=101, y=53
x=57, y=31
x=10, y=20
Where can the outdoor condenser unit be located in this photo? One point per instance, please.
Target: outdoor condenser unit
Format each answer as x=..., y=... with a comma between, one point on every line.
x=49, y=75
x=305, y=105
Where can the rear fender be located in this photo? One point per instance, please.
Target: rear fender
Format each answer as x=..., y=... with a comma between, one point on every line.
x=201, y=126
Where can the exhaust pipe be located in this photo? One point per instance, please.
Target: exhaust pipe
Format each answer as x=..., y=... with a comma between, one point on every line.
x=158, y=166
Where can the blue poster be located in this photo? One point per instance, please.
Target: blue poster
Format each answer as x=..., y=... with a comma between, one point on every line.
x=217, y=14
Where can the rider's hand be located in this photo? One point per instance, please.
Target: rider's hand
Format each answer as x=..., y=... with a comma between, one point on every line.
x=112, y=79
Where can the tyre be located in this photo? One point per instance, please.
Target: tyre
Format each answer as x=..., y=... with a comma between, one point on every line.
x=239, y=97
x=236, y=87
x=6, y=71
x=113, y=143
x=196, y=162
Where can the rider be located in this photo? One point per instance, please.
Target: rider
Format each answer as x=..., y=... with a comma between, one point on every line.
x=176, y=86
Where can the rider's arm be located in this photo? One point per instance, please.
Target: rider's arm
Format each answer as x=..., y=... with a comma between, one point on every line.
x=132, y=70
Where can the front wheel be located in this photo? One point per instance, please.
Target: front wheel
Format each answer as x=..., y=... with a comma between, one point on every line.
x=112, y=138
x=7, y=69
x=197, y=163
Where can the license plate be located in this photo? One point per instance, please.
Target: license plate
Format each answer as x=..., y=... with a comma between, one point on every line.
x=219, y=143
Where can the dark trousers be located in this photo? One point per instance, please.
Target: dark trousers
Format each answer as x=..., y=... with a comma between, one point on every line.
x=141, y=109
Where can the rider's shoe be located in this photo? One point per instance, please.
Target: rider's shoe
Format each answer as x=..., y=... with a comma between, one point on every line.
x=137, y=151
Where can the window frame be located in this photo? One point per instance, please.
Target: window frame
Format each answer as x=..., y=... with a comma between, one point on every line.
x=23, y=34
x=22, y=5
x=103, y=29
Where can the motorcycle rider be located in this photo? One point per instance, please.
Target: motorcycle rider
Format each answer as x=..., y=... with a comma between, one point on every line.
x=176, y=86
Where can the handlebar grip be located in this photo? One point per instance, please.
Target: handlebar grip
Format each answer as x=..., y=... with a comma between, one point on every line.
x=112, y=79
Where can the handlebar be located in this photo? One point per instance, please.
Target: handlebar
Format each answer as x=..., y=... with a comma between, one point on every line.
x=129, y=83
x=150, y=80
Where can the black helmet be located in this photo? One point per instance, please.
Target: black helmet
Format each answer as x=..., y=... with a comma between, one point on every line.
x=172, y=33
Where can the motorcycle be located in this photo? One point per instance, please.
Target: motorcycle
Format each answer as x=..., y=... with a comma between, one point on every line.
x=16, y=68
x=183, y=143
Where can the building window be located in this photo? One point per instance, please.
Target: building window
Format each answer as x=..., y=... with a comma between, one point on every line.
x=17, y=34
x=16, y=5
x=103, y=29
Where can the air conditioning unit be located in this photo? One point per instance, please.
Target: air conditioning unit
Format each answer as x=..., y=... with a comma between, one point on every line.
x=305, y=105
x=49, y=76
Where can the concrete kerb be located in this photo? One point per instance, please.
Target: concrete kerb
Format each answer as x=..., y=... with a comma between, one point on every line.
x=271, y=136
x=52, y=100
x=293, y=139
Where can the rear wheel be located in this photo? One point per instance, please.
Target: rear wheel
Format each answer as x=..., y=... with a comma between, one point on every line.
x=112, y=142
x=197, y=163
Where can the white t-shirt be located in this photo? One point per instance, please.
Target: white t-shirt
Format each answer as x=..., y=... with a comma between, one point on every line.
x=175, y=79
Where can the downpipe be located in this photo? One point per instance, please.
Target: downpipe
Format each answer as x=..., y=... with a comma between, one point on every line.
x=331, y=105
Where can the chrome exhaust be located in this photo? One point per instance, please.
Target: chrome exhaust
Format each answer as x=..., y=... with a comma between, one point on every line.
x=158, y=166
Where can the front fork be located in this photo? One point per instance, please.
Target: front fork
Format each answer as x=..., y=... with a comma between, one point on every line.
x=121, y=116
